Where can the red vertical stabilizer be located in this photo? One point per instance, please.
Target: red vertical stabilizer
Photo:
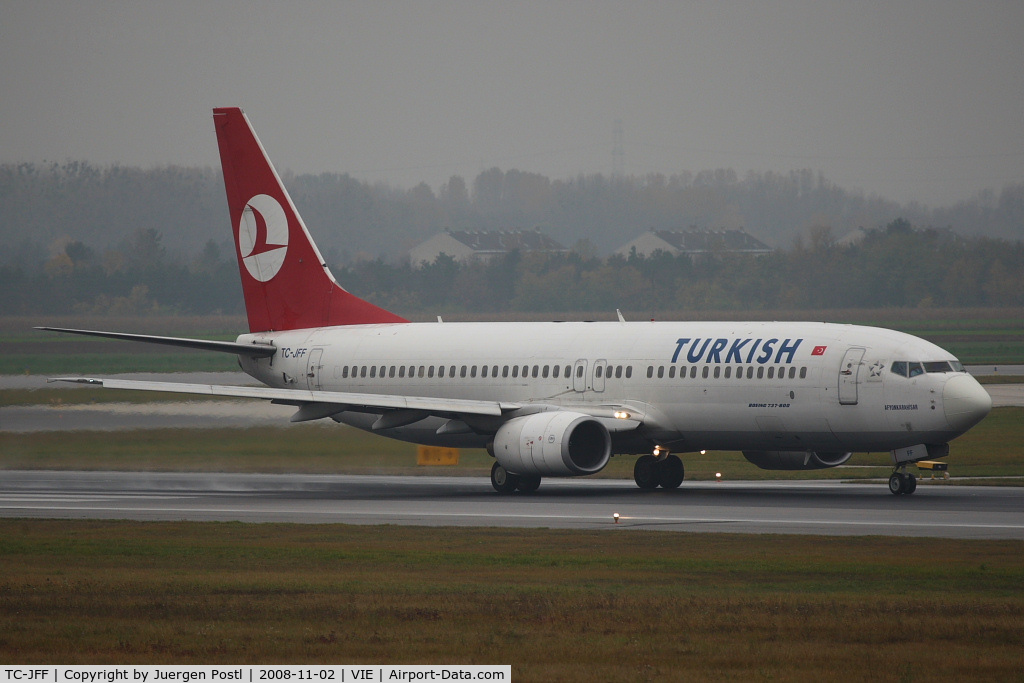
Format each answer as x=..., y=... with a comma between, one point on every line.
x=286, y=283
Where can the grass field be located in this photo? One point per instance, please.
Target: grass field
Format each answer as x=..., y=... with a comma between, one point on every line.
x=618, y=605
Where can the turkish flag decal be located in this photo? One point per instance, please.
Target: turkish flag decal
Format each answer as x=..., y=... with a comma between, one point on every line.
x=819, y=351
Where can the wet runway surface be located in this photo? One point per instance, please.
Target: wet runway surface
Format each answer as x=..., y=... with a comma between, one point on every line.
x=814, y=507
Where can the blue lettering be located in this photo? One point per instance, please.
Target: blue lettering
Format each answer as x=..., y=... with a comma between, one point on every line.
x=786, y=348
x=734, y=351
x=753, y=350
x=767, y=349
x=695, y=357
x=680, y=343
x=716, y=350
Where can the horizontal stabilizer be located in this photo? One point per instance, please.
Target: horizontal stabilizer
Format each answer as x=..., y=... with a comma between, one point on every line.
x=250, y=350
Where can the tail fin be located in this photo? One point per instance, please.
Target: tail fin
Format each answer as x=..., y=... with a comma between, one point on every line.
x=285, y=280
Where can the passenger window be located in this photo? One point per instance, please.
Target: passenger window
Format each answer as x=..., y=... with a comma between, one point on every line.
x=362, y=371
x=451, y=372
x=536, y=370
x=515, y=370
x=718, y=371
x=526, y=371
x=483, y=371
x=579, y=371
x=382, y=371
x=401, y=371
x=618, y=372
x=504, y=371
x=803, y=373
x=682, y=372
x=750, y=372
x=344, y=372
x=568, y=372
x=704, y=373
x=373, y=371
x=728, y=371
x=792, y=373
x=472, y=371
x=544, y=372
x=430, y=371
x=771, y=372
x=598, y=371
x=671, y=371
x=440, y=371
x=650, y=371
x=661, y=371
x=629, y=371
x=760, y=371
x=462, y=371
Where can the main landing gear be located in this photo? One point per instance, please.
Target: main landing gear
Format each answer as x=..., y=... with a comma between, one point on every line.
x=504, y=481
x=902, y=482
x=649, y=472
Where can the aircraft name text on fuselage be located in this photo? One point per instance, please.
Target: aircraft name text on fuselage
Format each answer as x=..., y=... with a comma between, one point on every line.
x=741, y=350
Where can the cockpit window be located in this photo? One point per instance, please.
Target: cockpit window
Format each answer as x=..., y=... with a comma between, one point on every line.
x=905, y=368
x=937, y=366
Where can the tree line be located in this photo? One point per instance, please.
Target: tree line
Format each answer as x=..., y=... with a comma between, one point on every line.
x=42, y=207
x=894, y=266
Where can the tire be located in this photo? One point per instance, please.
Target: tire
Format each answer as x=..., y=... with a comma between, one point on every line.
x=896, y=484
x=671, y=472
x=502, y=480
x=528, y=483
x=645, y=472
x=909, y=484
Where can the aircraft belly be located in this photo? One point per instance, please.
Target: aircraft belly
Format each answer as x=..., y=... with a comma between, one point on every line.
x=423, y=432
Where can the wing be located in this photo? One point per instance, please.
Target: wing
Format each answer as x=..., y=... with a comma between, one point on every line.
x=397, y=410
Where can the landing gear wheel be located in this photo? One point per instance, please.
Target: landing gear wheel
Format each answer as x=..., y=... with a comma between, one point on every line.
x=502, y=480
x=895, y=483
x=909, y=483
x=670, y=472
x=528, y=483
x=646, y=471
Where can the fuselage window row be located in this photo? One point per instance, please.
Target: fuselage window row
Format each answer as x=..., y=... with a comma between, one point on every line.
x=718, y=372
x=471, y=371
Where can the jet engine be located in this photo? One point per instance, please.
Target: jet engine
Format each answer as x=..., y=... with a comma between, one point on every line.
x=556, y=443
x=795, y=460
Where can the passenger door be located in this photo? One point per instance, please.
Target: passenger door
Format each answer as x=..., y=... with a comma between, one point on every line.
x=313, y=369
x=849, y=376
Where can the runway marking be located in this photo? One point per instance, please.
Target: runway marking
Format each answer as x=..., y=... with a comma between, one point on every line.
x=606, y=520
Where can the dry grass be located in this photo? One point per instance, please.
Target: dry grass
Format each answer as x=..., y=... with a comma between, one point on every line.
x=557, y=605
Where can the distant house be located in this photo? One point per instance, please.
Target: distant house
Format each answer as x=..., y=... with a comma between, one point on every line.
x=694, y=243
x=465, y=246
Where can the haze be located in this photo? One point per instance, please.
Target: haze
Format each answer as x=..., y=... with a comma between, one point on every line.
x=917, y=101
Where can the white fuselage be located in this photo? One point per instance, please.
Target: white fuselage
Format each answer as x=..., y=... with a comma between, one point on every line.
x=697, y=385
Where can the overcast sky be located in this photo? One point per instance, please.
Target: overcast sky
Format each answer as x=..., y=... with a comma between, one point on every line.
x=919, y=100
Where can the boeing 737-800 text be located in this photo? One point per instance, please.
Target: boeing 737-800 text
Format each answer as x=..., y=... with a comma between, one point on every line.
x=559, y=399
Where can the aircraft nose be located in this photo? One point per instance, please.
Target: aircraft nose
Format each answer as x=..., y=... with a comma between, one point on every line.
x=965, y=402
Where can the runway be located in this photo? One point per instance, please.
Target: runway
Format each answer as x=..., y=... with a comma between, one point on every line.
x=791, y=507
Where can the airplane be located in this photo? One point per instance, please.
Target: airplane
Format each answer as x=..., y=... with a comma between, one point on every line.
x=558, y=399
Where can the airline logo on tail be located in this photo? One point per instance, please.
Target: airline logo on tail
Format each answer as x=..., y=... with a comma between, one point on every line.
x=263, y=237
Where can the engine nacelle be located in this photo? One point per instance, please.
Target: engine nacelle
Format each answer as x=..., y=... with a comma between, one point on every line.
x=795, y=460
x=556, y=443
